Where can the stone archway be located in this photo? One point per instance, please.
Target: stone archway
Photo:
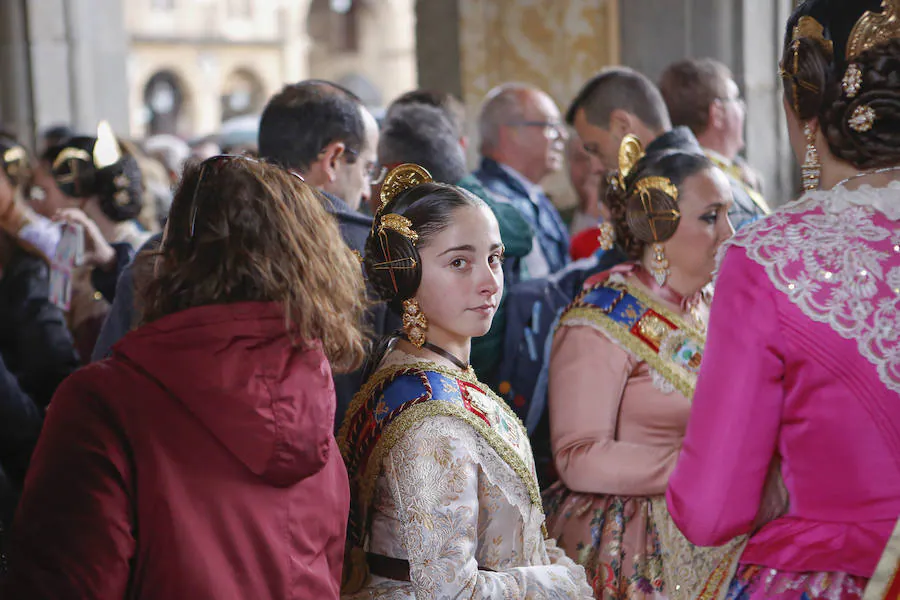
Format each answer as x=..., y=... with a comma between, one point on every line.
x=243, y=93
x=165, y=101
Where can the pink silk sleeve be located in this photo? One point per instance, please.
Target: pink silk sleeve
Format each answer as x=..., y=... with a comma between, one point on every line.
x=716, y=489
x=588, y=373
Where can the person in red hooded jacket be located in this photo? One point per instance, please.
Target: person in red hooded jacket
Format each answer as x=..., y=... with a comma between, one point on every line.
x=199, y=461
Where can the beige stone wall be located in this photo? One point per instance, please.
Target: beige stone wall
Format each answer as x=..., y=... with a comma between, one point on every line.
x=554, y=45
x=203, y=42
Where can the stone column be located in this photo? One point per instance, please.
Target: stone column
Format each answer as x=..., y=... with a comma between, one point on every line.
x=63, y=61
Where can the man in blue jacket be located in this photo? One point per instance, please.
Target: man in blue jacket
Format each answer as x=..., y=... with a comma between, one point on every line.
x=523, y=139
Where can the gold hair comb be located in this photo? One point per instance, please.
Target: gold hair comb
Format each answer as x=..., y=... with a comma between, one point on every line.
x=874, y=28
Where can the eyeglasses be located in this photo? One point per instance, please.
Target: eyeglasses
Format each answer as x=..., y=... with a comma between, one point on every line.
x=737, y=99
x=213, y=161
x=375, y=173
x=553, y=130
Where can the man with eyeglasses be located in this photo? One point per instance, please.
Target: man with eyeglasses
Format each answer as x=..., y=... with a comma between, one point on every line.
x=523, y=139
x=323, y=132
x=702, y=94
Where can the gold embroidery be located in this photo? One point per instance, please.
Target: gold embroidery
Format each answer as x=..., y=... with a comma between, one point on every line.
x=654, y=329
x=682, y=379
x=519, y=462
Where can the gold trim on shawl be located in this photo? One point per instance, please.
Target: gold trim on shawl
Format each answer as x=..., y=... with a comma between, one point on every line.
x=683, y=380
x=689, y=570
x=395, y=431
x=887, y=572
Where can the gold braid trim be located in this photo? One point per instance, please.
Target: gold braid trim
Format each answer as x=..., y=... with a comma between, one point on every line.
x=395, y=431
x=683, y=380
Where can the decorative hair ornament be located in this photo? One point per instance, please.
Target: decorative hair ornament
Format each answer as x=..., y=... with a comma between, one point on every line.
x=400, y=179
x=106, y=150
x=414, y=322
x=852, y=81
x=811, y=168
x=809, y=28
x=607, y=236
x=400, y=224
x=653, y=218
x=873, y=29
x=862, y=119
x=16, y=164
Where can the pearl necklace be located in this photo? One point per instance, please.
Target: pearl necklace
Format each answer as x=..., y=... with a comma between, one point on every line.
x=867, y=173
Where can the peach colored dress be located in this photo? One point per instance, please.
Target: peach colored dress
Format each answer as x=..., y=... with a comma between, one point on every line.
x=616, y=426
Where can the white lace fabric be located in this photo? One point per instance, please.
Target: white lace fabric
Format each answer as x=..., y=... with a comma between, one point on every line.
x=836, y=255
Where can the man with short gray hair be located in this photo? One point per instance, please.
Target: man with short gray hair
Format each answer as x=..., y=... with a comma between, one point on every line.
x=522, y=141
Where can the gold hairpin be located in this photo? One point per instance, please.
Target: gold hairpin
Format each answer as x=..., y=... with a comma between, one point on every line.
x=808, y=27
x=402, y=178
x=630, y=153
x=662, y=184
x=874, y=28
x=398, y=223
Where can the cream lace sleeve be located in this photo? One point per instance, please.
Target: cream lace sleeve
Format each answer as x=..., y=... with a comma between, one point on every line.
x=433, y=476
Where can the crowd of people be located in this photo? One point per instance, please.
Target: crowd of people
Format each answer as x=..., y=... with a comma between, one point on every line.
x=345, y=365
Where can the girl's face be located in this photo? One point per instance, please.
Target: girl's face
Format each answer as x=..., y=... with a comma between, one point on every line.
x=462, y=277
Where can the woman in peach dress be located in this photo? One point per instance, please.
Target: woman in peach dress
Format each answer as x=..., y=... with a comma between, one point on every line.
x=622, y=372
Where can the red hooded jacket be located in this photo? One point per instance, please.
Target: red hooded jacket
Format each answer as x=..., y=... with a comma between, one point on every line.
x=197, y=462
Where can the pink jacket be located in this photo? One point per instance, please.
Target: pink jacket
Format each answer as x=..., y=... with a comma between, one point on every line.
x=802, y=362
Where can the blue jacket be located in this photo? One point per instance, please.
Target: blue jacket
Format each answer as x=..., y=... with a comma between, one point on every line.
x=535, y=207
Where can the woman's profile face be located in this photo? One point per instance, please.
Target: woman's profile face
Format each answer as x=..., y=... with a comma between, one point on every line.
x=462, y=276
x=704, y=199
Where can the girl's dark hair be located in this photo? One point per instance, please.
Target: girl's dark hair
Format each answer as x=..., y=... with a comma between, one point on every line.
x=429, y=207
x=675, y=165
x=813, y=77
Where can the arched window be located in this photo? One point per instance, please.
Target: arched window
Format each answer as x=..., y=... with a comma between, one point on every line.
x=242, y=94
x=334, y=25
x=163, y=101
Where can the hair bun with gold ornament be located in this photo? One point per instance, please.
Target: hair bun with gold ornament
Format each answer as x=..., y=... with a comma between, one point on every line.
x=85, y=166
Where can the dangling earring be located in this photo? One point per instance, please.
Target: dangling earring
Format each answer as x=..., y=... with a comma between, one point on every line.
x=414, y=322
x=659, y=267
x=607, y=236
x=811, y=168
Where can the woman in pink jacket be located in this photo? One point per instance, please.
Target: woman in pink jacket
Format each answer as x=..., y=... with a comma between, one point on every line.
x=802, y=364
x=199, y=461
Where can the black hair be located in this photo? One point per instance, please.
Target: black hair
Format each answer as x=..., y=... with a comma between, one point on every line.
x=429, y=208
x=813, y=80
x=422, y=134
x=303, y=118
x=620, y=88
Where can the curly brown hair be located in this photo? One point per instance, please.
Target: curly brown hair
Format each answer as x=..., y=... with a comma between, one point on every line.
x=674, y=165
x=242, y=230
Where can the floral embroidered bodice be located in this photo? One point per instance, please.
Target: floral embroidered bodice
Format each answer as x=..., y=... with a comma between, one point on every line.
x=836, y=255
x=453, y=490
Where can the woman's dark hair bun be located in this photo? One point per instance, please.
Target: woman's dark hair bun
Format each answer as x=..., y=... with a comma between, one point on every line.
x=876, y=141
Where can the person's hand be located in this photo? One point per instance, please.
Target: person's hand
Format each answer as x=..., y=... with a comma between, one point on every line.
x=97, y=251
